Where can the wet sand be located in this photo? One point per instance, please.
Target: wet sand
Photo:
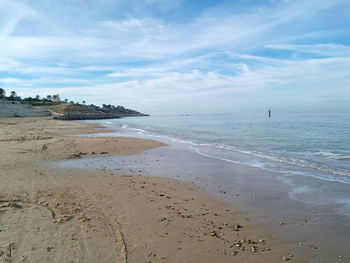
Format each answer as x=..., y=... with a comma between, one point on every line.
x=52, y=214
x=304, y=212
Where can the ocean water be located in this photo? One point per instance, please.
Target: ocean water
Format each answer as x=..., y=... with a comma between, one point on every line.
x=304, y=144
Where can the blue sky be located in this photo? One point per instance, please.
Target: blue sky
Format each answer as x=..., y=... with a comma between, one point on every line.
x=180, y=56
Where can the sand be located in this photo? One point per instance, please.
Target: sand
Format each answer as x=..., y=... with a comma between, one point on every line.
x=52, y=214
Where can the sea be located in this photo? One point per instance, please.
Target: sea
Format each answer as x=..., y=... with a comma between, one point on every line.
x=316, y=145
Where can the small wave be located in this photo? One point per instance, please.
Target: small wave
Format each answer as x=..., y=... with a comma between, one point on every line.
x=332, y=155
x=299, y=162
x=263, y=155
x=281, y=159
x=139, y=131
x=256, y=164
x=286, y=172
x=323, y=177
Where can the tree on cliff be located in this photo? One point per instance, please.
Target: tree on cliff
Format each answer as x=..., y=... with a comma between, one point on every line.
x=13, y=95
x=56, y=98
x=2, y=93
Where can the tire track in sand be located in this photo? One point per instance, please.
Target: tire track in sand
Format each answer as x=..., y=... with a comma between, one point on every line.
x=117, y=233
x=116, y=230
x=83, y=244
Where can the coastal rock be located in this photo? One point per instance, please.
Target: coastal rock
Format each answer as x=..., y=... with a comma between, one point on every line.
x=86, y=116
x=236, y=227
x=287, y=257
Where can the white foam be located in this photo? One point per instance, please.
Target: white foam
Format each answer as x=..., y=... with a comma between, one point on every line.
x=262, y=155
x=332, y=155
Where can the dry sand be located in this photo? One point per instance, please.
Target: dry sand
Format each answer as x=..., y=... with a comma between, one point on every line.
x=59, y=215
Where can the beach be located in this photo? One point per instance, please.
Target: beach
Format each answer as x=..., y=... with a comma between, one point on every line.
x=52, y=214
x=175, y=131
x=288, y=184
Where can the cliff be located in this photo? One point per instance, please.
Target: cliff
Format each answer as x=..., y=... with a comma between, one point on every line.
x=119, y=110
x=9, y=109
x=69, y=111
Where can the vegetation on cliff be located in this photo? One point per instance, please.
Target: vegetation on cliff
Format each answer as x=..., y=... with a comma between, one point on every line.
x=55, y=104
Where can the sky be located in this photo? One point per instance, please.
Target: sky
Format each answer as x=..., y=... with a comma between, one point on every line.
x=180, y=56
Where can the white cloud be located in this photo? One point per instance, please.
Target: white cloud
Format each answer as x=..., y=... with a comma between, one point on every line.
x=150, y=59
x=15, y=82
x=151, y=38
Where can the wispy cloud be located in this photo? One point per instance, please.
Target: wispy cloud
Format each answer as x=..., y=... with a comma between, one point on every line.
x=331, y=50
x=12, y=13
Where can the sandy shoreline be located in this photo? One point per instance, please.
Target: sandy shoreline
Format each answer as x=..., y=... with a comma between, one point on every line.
x=60, y=215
